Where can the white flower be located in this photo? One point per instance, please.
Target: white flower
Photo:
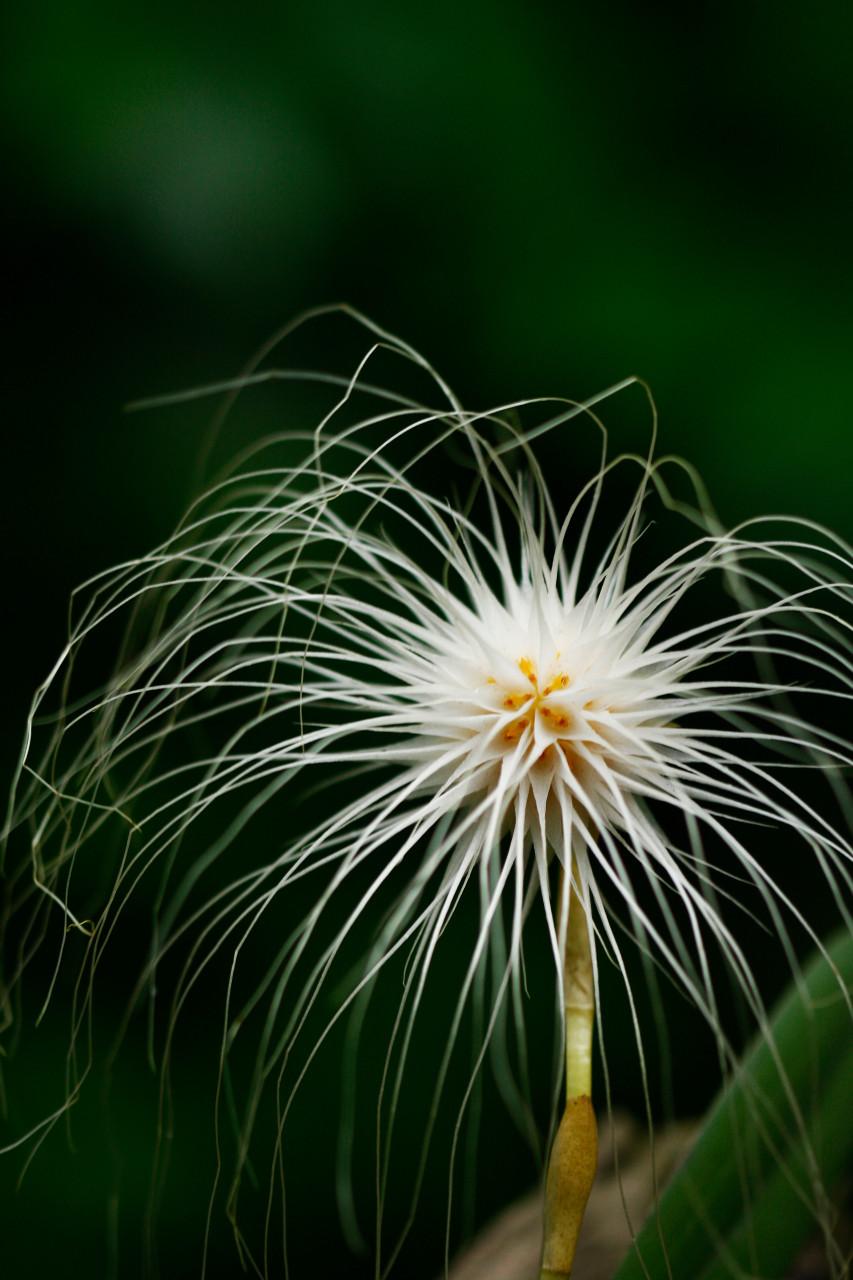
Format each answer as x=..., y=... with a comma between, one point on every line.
x=484, y=689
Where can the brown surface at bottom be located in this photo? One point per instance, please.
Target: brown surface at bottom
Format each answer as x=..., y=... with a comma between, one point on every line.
x=509, y=1249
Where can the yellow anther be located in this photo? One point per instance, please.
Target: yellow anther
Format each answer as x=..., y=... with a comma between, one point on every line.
x=491, y=680
x=527, y=668
x=557, y=718
x=559, y=682
x=515, y=730
x=534, y=701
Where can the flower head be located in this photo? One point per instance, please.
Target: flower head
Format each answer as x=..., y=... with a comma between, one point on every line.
x=481, y=689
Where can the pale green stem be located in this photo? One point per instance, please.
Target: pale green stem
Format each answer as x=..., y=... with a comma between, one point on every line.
x=574, y=1155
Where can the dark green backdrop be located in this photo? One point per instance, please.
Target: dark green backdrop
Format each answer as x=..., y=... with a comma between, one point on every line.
x=542, y=198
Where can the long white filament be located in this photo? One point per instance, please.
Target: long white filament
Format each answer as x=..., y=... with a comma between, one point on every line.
x=475, y=690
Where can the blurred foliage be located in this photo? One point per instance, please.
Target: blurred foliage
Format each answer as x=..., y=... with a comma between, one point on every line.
x=543, y=199
x=801, y=1088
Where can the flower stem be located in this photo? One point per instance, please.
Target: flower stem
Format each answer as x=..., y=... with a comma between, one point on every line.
x=574, y=1155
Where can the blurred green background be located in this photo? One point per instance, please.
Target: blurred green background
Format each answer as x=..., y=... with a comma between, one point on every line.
x=543, y=199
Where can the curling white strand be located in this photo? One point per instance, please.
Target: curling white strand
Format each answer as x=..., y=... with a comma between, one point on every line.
x=476, y=691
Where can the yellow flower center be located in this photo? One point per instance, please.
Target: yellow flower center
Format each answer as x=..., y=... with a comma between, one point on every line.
x=534, y=701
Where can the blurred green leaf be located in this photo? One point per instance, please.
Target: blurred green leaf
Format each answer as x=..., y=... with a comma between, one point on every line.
x=706, y=1225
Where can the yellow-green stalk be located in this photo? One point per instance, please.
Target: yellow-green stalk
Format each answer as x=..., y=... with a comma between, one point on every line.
x=574, y=1155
